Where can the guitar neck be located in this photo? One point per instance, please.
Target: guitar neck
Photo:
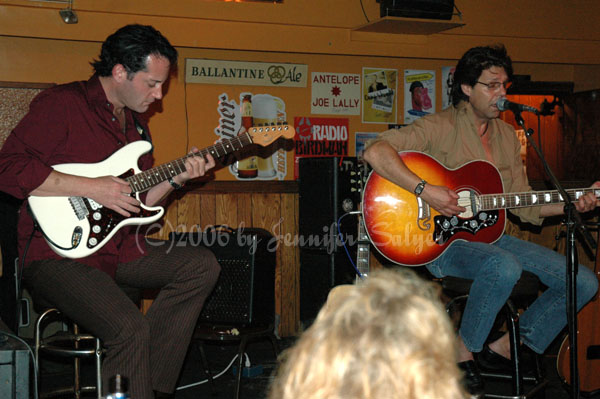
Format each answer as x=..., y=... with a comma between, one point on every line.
x=147, y=179
x=362, y=251
x=532, y=198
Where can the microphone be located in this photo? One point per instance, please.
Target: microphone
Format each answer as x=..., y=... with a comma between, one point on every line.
x=504, y=105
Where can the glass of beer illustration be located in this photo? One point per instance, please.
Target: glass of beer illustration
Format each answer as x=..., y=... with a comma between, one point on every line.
x=247, y=168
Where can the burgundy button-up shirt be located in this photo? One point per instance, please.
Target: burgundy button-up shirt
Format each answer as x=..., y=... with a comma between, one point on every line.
x=71, y=123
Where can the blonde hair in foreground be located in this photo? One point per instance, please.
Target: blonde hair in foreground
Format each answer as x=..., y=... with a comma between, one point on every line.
x=389, y=338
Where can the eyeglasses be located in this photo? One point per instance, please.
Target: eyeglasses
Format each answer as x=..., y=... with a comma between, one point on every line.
x=495, y=86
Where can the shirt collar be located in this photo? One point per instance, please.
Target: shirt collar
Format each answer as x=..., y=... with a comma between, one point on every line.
x=96, y=93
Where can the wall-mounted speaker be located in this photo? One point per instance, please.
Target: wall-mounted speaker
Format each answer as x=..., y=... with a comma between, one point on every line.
x=428, y=9
x=245, y=291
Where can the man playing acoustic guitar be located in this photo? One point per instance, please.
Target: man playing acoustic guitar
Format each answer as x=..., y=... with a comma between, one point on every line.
x=470, y=130
x=86, y=122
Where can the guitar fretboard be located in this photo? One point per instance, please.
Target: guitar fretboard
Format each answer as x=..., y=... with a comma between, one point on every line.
x=147, y=179
x=532, y=198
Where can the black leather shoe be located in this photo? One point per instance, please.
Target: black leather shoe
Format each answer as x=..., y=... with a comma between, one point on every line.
x=471, y=378
x=487, y=359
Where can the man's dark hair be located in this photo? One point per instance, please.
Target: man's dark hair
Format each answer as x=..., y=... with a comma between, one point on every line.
x=473, y=63
x=130, y=46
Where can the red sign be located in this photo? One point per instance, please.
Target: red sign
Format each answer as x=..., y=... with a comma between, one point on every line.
x=320, y=137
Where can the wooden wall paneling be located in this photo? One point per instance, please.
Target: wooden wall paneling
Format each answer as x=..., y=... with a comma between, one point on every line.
x=244, y=210
x=288, y=278
x=553, y=129
x=582, y=140
x=207, y=210
x=188, y=213
x=266, y=210
x=226, y=210
x=266, y=213
x=550, y=132
x=551, y=136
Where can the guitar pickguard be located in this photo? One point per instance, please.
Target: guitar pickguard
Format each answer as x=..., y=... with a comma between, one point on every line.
x=103, y=221
x=446, y=227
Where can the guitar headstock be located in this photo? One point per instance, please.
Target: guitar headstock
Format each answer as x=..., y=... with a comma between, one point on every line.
x=265, y=135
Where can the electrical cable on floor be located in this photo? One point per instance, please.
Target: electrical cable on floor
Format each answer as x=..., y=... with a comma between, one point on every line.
x=246, y=364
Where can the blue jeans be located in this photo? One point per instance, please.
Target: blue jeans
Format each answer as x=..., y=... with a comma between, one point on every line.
x=495, y=269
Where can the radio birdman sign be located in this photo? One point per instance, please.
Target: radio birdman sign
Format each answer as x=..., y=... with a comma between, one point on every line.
x=245, y=73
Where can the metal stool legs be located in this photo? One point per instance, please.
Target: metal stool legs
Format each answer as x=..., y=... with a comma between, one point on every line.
x=55, y=344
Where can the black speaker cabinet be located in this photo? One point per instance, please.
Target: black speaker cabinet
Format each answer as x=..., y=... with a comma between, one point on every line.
x=428, y=9
x=328, y=189
x=245, y=291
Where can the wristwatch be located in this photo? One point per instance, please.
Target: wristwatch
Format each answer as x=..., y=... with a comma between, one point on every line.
x=175, y=185
x=419, y=189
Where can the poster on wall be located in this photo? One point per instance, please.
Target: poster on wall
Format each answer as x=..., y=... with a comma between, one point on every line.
x=320, y=137
x=335, y=93
x=361, y=139
x=419, y=94
x=447, y=79
x=255, y=163
x=379, y=95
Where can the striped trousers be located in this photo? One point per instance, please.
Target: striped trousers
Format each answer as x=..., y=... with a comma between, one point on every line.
x=148, y=349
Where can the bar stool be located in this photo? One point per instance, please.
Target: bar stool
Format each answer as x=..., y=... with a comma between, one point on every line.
x=245, y=335
x=524, y=292
x=71, y=344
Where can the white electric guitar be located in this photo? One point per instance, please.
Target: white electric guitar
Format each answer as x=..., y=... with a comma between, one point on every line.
x=76, y=227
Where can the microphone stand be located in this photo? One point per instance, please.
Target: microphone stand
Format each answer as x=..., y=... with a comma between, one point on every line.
x=573, y=222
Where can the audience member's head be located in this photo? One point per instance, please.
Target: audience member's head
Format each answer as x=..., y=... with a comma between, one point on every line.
x=385, y=339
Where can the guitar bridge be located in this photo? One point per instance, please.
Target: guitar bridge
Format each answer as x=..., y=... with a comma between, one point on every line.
x=79, y=207
x=446, y=227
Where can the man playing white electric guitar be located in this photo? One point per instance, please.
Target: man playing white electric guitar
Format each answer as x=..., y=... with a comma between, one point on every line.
x=85, y=123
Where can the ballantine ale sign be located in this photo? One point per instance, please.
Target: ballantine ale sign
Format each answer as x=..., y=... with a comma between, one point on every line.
x=245, y=73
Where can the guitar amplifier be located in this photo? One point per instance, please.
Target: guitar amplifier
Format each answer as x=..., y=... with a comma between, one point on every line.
x=245, y=291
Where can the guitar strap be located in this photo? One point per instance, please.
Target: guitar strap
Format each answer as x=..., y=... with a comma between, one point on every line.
x=143, y=133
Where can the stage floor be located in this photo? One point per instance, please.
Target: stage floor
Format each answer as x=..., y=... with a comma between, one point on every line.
x=261, y=353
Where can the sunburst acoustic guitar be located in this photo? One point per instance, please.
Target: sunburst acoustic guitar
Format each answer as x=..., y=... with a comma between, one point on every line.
x=407, y=231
